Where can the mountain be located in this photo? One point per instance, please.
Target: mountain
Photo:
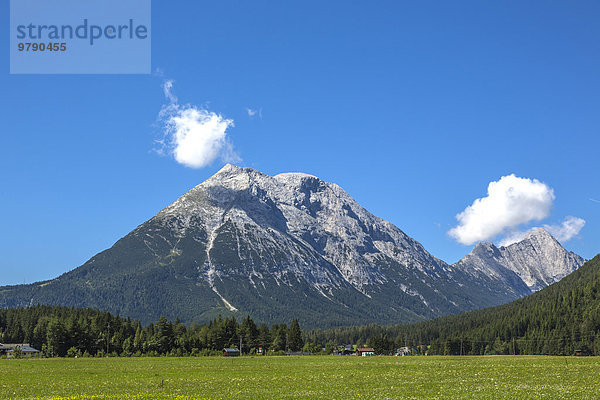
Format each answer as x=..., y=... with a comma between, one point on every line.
x=535, y=262
x=274, y=247
x=486, y=261
x=540, y=260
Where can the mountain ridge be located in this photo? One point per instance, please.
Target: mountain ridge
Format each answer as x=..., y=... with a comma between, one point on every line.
x=270, y=246
x=522, y=261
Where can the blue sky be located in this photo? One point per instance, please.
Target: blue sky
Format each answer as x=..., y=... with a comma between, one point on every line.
x=412, y=107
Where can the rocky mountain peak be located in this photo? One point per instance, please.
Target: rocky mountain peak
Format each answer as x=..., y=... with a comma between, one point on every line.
x=231, y=175
x=539, y=233
x=538, y=237
x=229, y=168
x=485, y=249
x=538, y=259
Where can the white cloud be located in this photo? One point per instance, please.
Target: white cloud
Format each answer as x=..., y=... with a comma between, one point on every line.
x=252, y=113
x=511, y=201
x=193, y=135
x=197, y=136
x=569, y=228
x=168, y=90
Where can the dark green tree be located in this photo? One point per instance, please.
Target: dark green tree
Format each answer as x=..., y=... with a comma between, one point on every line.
x=56, y=338
x=264, y=339
x=295, y=342
x=279, y=332
x=164, y=335
x=249, y=334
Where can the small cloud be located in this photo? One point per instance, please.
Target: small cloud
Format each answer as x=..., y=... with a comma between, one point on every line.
x=168, y=91
x=569, y=228
x=594, y=200
x=510, y=202
x=254, y=112
x=193, y=135
x=197, y=136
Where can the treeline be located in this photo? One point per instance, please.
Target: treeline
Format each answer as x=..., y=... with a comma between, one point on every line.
x=558, y=320
x=62, y=331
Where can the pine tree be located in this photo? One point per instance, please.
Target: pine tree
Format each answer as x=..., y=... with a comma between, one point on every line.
x=264, y=338
x=295, y=342
x=56, y=338
x=280, y=337
x=164, y=335
x=249, y=334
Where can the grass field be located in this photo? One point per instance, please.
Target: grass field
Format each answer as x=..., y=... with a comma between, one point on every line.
x=326, y=377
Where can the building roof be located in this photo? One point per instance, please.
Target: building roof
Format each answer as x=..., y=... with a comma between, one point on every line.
x=25, y=347
x=365, y=349
x=231, y=350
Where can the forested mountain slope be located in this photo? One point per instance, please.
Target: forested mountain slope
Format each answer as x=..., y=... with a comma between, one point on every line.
x=559, y=319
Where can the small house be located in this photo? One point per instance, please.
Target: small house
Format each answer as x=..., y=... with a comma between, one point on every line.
x=231, y=352
x=25, y=349
x=365, y=352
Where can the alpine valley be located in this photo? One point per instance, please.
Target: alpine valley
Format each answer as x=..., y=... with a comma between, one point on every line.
x=290, y=246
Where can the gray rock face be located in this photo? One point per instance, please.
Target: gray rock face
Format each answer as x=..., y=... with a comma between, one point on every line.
x=540, y=260
x=486, y=262
x=316, y=224
x=529, y=265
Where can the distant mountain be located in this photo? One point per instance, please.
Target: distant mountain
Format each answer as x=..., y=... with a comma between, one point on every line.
x=540, y=260
x=529, y=265
x=276, y=248
x=486, y=262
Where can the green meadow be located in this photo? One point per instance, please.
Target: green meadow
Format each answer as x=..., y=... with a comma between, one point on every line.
x=325, y=377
